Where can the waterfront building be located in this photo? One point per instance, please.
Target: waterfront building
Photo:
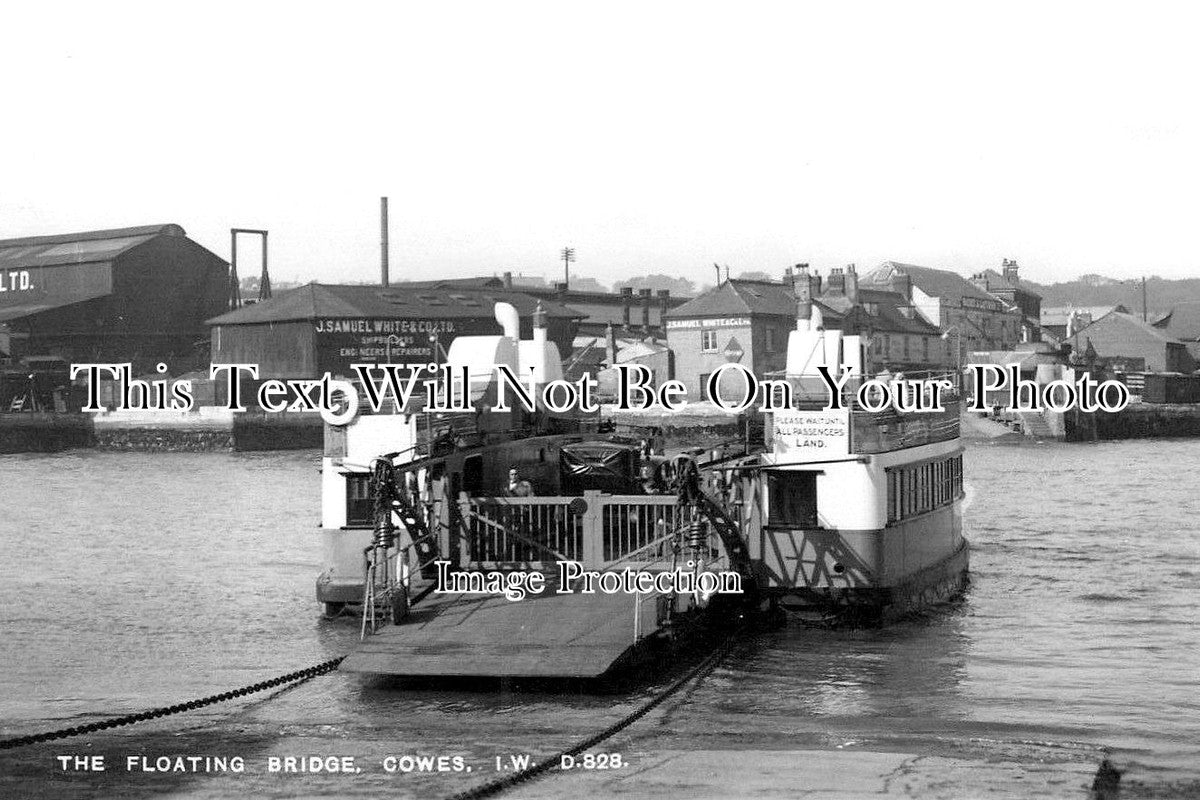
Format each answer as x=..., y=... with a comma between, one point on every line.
x=1017, y=294
x=1118, y=335
x=748, y=322
x=972, y=318
x=631, y=313
x=318, y=328
x=137, y=295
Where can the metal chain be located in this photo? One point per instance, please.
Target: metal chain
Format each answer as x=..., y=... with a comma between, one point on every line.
x=292, y=677
x=529, y=773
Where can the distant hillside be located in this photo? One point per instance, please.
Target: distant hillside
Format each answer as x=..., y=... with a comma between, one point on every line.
x=1095, y=290
x=1180, y=297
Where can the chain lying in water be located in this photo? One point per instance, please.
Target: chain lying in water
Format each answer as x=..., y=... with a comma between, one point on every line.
x=296, y=677
x=529, y=773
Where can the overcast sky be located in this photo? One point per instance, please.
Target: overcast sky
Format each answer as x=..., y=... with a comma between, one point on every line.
x=651, y=137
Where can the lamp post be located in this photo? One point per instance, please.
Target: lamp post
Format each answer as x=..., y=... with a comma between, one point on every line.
x=953, y=329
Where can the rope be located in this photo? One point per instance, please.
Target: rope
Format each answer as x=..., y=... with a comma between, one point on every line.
x=499, y=785
x=116, y=722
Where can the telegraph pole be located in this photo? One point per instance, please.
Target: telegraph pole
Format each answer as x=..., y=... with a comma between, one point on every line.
x=568, y=255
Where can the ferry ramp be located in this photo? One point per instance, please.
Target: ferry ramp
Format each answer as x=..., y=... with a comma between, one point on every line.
x=546, y=635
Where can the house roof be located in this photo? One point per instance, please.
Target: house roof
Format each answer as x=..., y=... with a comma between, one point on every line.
x=884, y=312
x=739, y=297
x=318, y=300
x=1183, y=322
x=941, y=283
x=1129, y=326
x=78, y=248
x=995, y=281
x=1058, y=315
x=881, y=309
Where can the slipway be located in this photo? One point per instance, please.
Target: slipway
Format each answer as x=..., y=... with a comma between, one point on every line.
x=547, y=635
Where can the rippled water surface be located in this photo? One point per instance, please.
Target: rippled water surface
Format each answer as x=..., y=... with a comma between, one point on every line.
x=137, y=580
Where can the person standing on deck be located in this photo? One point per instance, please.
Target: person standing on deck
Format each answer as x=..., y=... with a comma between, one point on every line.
x=517, y=487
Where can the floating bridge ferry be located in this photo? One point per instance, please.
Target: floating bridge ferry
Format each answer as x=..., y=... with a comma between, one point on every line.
x=843, y=514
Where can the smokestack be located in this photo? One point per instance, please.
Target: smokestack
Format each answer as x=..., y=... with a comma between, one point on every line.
x=802, y=288
x=383, y=241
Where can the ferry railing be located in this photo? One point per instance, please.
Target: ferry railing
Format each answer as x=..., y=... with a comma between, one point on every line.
x=628, y=524
x=595, y=529
x=524, y=530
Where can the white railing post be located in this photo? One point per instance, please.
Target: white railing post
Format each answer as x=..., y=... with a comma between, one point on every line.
x=593, y=530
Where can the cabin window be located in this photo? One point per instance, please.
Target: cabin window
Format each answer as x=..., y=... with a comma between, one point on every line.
x=793, y=499
x=922, y=488
x=708, y=341
x=360, y=503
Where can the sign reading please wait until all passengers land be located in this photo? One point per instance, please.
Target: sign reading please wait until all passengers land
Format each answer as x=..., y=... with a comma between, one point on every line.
x=825, y=433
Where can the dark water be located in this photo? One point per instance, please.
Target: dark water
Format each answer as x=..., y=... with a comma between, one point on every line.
x=137, y=580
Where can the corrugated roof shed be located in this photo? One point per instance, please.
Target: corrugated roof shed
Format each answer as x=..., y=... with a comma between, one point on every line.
x=320, y=300
x=1133, y=325
x=78, y=248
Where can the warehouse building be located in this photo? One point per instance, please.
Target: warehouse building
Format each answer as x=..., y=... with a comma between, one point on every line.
x=628, y=311
x=1117, y=336
x=131, y=294
x=318, y=328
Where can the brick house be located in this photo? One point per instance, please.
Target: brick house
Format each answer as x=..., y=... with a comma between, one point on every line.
x=748, y=322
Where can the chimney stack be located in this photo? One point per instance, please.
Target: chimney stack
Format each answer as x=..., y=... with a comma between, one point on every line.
x=645, y=296
x=802, y=288
x=837, y=280
x=626, y=303
x=1010, y=270
x=851, y=283
x=508, y=280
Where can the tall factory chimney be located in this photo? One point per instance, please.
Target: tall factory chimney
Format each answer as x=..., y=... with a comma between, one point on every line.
x=383, y=241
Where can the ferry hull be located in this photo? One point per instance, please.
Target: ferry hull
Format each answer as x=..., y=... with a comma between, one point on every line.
x=936, y=584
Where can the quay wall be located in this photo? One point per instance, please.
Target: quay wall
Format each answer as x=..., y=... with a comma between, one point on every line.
x=207, y=429
x=1148, y=421
x=41, y=432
